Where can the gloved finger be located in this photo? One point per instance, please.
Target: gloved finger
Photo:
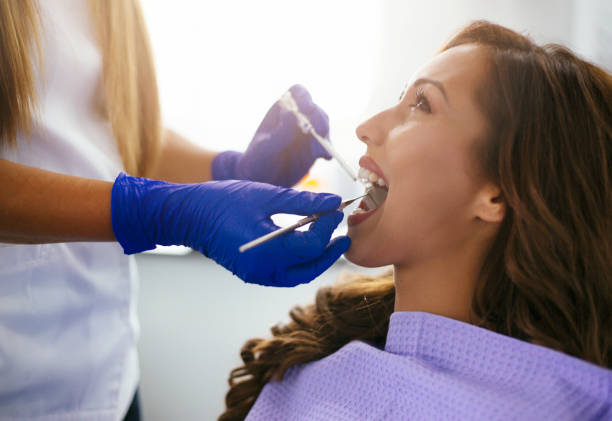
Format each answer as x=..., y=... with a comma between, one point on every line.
x=302, y=202
x=315, y=114
x=320, y=122
x=287, y=129
x=278, y=118
x=302, y=246
x=302, y=98
x=306, y=272
x=318, y=118
x=272, y=140
x=272, y=118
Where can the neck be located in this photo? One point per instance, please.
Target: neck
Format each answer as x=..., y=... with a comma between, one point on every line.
x=444, y=285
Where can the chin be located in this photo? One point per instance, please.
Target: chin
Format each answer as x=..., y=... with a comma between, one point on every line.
x=361, y=254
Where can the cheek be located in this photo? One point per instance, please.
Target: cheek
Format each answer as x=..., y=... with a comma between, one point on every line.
x=428, y=204
x=426, y=210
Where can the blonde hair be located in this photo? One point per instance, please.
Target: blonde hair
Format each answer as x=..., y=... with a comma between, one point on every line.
x=131, y=101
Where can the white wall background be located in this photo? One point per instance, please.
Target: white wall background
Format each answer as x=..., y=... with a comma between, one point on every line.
x=221, y=64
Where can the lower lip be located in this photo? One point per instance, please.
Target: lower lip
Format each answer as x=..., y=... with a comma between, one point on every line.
x=358, y=218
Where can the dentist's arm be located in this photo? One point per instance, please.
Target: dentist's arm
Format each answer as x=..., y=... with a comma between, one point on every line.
x=38, y=206
x=215, y=218
x=182, y=161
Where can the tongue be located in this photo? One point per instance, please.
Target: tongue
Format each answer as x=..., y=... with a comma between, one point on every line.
x=376, y=195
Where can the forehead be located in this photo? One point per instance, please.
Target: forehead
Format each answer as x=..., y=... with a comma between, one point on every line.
x=460, y=69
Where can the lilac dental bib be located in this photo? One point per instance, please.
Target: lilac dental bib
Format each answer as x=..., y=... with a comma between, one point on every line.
x=438, y=368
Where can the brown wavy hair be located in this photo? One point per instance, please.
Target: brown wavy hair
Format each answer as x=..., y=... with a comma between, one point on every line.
x=547, y=278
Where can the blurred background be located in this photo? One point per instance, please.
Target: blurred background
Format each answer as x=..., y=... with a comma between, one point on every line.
x=220, y=66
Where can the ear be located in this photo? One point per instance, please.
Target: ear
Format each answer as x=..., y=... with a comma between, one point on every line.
x=490, y=205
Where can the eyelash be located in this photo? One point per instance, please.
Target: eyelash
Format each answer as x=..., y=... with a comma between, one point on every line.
x=421, y=101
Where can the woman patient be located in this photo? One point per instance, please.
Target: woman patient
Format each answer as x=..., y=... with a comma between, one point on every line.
x=498, y=162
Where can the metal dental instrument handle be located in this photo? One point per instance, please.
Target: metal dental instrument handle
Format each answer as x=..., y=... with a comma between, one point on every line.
x=281, y=231
x=288, y=102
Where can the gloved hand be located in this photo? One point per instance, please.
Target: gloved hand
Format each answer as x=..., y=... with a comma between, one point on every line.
x=217, y=217
x=279, y=153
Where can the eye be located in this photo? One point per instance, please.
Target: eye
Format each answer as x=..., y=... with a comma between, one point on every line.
x=421, y=101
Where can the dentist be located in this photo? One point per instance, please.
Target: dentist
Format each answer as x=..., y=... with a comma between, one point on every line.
x=79, y=112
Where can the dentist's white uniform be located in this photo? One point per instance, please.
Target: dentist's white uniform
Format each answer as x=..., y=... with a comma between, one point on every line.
x=68, y=327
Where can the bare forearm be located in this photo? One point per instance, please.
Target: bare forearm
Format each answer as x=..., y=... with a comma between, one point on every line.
x=38, y=206
x=181, y=161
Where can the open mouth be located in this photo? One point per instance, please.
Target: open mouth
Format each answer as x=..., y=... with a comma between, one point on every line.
x=376, y=193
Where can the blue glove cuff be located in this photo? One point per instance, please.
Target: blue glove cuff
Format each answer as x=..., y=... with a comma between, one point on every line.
x=223, y=166
x=127, y=226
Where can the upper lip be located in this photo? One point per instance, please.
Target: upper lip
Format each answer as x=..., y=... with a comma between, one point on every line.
x=368, y=163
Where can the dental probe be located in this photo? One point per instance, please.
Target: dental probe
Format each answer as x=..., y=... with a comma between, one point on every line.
x=288, y=102
x=298, y=224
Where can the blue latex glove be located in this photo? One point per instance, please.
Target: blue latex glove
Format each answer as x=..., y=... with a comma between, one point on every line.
x=217, y=217
x=279, y=153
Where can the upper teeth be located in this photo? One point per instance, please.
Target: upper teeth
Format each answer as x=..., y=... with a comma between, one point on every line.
x=368, y=176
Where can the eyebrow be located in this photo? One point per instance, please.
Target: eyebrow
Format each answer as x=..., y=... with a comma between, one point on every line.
x=437, y=84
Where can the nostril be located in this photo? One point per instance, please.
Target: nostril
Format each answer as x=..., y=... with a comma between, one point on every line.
x=360, y=131
x=367, y=135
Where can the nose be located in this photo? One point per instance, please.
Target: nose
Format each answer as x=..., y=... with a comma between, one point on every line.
x=372, y=131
